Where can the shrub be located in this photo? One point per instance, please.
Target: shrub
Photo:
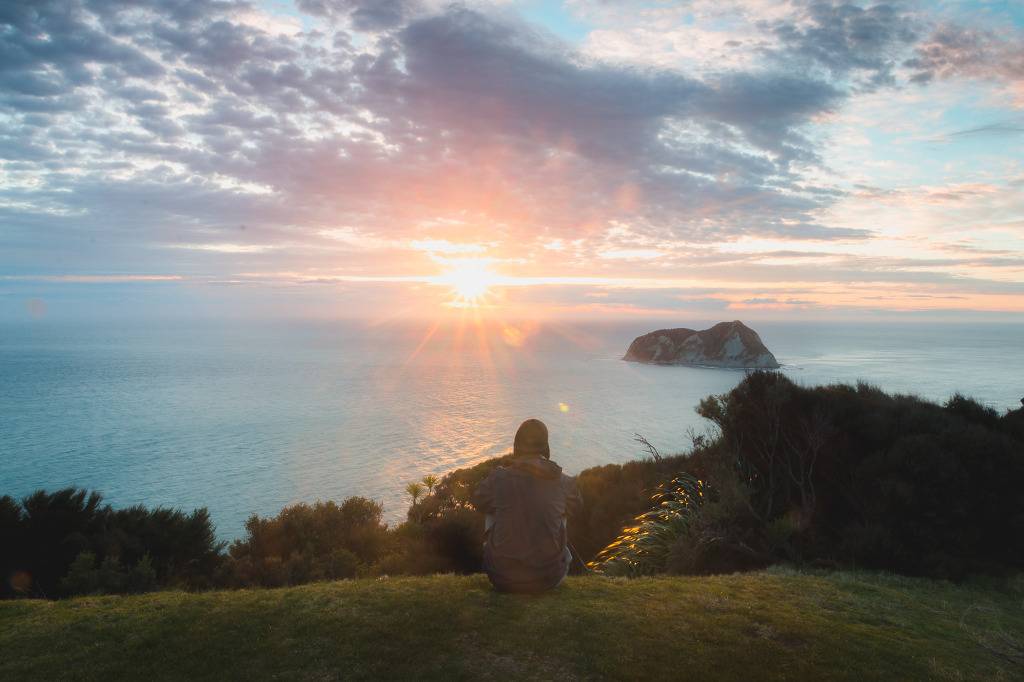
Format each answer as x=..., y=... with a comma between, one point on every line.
x=142, y=577
x=82, y=577
x=341, y=563
x=644, y=547
x=451, y=531
x=46, y=534
x=109, y=577
x=305, y=543
x=182, y=548
x=830, y=476
x=852, y=475
x=613, y=495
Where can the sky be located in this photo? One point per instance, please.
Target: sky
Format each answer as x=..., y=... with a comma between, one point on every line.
x=716, y=159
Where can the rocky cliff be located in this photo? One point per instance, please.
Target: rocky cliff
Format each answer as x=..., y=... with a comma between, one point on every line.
x=727, y=344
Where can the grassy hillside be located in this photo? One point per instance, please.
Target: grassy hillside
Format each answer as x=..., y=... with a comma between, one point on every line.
x=769, y=625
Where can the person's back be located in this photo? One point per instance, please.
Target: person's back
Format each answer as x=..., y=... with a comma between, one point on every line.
x=526, y=547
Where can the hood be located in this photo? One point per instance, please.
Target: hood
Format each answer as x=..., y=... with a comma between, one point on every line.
x=538, y=467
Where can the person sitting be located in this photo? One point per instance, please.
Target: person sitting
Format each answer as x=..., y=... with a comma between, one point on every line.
x=526, y=548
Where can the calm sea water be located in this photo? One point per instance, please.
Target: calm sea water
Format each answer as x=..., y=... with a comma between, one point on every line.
x=245, y=418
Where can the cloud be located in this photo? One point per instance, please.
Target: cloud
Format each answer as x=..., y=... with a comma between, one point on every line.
x=371, y=136
x=225, y=247
x=453, y=109
x=846, y=40
x=95, y=279
x=999, y=128
x=365, y=15
x=955, y=51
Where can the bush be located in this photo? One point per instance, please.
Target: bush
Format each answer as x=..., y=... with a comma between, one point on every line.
x=142, y=577
x=840, y=476
x=306, y=543
x=82, y=577
x=47, y=534
x=644, y=547
x=85, y=577
x=182, y=548
x=449, y=532
x=851, y=475
x=613, y=495
x=828, y=476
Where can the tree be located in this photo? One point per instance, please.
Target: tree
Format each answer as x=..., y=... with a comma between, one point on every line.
x=431, y=481
x=414, y=490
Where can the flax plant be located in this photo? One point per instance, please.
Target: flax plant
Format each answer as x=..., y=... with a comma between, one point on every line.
x=643, y=547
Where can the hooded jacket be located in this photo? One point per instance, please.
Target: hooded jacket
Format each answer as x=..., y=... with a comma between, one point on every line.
x=528, y=500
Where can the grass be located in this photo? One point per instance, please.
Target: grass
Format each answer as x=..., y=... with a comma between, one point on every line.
x=778, y=624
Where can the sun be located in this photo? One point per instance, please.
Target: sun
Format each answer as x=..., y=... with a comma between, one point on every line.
x=470, y=280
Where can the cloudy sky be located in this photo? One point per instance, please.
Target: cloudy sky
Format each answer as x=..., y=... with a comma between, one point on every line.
x=711, y=158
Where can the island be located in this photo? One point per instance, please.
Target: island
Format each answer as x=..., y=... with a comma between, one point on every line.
x=727, y=344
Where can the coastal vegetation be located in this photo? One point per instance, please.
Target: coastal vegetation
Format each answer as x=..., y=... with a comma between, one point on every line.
x=68, y=542
x=840, y=476
x=832, y=477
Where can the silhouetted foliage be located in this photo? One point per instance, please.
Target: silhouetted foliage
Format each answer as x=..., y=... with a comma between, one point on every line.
x=829, y=476
x=305, y=543
x=128, y=549
x=851, y=475
x=444, y=533
x=110, y=577
x=182, y=548
x=451, y=530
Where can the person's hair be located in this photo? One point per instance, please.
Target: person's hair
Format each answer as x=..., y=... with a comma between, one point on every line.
x=531, y=440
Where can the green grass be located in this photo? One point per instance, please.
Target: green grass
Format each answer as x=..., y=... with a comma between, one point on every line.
x=771, y=625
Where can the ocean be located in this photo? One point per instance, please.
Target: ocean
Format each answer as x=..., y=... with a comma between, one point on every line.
x=246, y=418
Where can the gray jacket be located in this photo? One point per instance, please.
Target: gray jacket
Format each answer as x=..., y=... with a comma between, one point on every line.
x=525, y=548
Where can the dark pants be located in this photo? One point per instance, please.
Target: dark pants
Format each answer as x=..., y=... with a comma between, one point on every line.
x=509, y=576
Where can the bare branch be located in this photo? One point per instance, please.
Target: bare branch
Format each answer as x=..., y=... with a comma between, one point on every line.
x=653, y=451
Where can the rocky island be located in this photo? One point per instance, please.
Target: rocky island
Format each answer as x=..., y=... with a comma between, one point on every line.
x=727, y=344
